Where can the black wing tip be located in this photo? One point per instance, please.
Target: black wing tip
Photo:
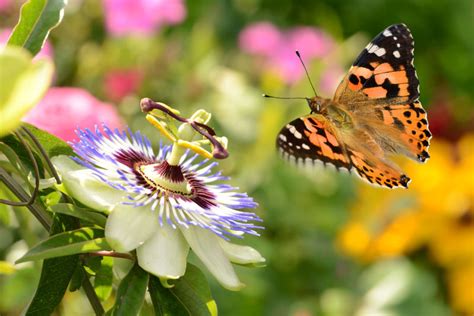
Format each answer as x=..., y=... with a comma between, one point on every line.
x=398, y=25
x=404, y=181
x=423, y=156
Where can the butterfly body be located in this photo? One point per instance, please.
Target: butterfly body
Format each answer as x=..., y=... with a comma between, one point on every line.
x=374, y=114
x=331, y=110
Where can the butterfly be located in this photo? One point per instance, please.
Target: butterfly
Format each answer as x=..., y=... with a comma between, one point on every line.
x=375, y=113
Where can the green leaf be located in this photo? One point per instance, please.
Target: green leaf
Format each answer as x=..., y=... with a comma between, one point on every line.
x=189, y=296
x=131, y=292
x=51, y=199
x=77, y=279
x=103, y=279
x=37, y=19
x=24, y=83
x=82, y=213
x=4, y=209
x=53, y=146
x=27, y=165
x=55, y=274
x=81, y=240
x=11, y=156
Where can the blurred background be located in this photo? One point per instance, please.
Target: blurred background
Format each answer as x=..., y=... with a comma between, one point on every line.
x=334, y=245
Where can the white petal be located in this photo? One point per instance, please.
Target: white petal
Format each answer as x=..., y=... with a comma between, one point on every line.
x=240, y=254
x=164, y=254
x=84, y=186
x=129, y=227
x=206, y=246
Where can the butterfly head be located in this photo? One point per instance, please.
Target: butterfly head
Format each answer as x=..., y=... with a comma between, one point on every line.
x=315, y=104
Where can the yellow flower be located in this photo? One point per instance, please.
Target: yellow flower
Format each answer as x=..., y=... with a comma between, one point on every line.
x=436, y=212
x=461, y=288
x=388, y=223
x=450, y=205
x=453, y=243
x=384, y=224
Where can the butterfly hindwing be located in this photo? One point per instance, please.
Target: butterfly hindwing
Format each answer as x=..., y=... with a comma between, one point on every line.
x=384, y=70
x=376, y=171
x=411, y=124
x=311, y=138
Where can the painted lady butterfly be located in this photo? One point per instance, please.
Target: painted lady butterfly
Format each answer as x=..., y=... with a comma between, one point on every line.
x=375, y=112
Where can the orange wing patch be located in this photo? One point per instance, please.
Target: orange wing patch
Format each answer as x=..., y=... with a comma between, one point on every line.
x=411, y=120
x=377, y=172
x=329, y=147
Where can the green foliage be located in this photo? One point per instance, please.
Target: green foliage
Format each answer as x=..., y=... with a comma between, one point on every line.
x=23, y=84
x=81, y=213
x=131, y=292
x=37, y=19
x=55, y=274
x=52, y=144
x=104, y=278
x=82, y=240
x=190, y=295
x=398, y=287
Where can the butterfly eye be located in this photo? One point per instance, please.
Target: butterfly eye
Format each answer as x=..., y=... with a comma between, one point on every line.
x=314, y=104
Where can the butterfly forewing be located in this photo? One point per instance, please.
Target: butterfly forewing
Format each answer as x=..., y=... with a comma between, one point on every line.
x=384, y=70
x=310, y=138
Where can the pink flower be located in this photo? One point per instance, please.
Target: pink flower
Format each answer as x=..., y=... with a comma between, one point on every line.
x=313, y=42
x=4, y=4
x=62, y=110
x=123, y=17
x=330, y=79
x=260, y=38
x=46, y=51
x=120, y=83
x=278, y=47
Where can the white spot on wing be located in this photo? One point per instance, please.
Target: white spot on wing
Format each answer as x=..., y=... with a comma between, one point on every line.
x=305, y=146
x=398, y=45
x=373, y=48
x=380, y=52
x=293, y=131
x=396, y=53
x=282, y=137
x=395, y=38
x=387, y=33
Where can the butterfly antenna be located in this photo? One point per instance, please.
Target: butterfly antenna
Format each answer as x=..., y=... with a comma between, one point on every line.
x=306, y=71
x=285, y=98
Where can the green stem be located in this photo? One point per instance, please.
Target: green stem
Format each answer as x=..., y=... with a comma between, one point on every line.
x=43, y=153
x=176, y=153
x=41, y=215
x=106, y=253
x=187, y=133
x=93, y=299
